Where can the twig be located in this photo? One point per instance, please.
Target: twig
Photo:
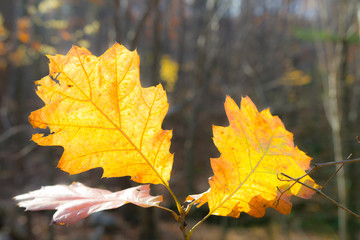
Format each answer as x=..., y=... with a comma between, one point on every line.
x=326, y=164
x=12, y=131
x=322, y=194
x=315, y=167
x=334, y=174
x=24, y=151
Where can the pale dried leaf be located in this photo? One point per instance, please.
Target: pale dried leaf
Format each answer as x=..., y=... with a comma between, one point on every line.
x=77, y=201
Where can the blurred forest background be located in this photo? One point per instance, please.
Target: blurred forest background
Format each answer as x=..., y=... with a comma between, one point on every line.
x=297, y=57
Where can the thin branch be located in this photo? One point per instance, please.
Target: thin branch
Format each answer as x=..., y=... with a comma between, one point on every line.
x=322, y=194
x=12, y=131
x=24, y=151
x=334, y=174
x=283, y=191
x=315, y=167
x=153, y=4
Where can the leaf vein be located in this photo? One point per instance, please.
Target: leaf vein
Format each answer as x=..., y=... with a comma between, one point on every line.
x=86, y=74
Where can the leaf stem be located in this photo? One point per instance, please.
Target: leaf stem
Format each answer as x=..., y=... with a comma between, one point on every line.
x=196, y=225
x=187, y=209
x=180, y=218
x=178, y=205
x=167, y=209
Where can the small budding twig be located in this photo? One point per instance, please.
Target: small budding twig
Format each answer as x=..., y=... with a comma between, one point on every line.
x=334, y=174
x=315, y=167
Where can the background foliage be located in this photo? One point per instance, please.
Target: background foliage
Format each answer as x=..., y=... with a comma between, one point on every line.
x=287, y=55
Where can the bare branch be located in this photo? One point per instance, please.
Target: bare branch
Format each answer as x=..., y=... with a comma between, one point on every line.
x=315, y=167
x=297, y=180
x=334, y=174
x=12, y=131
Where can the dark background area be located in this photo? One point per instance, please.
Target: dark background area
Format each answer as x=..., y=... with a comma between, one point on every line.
x=298, y=58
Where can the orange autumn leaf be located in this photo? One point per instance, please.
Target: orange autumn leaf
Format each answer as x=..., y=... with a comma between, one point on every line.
x=255, y=149
x=97, y=110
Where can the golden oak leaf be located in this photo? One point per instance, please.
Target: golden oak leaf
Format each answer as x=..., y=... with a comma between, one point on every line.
x=97, y=110
x=255, y=149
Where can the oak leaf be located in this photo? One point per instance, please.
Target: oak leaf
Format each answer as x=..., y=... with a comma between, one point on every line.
x=97, y=110
x=255, y=149
x=77, y=201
